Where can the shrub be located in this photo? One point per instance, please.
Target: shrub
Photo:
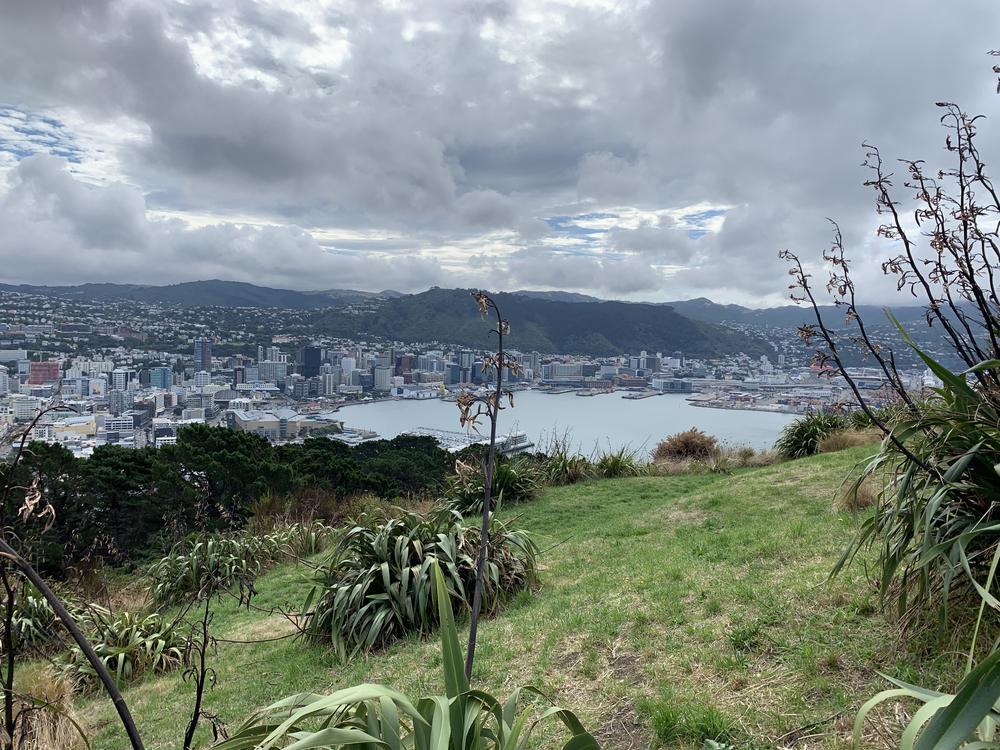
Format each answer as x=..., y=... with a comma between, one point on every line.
x=963, y=719
x=376, y=585
x=936, y=525
x=619, y=463
x=213, y=561
x=562, y=466
x=803, y=436
x=207, y=562
x=129, y=644
x=376, y=716
x=691, y=443
x=34, y=623
x=303, y=539
x=515, y=480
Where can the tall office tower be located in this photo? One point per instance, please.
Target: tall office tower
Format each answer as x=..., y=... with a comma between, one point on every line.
x=382, y=378
x=310, y=359
x=121, y=378
x=161, y=377
x=202, y=355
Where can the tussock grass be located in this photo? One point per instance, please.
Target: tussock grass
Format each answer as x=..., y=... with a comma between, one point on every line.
x=858, y=496
x=45, y=716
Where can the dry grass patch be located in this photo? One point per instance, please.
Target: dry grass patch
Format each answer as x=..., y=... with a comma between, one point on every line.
x=44, y=712
x=844, y=439
x=858, y=496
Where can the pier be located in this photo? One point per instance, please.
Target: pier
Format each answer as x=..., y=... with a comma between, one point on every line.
x=454, y=441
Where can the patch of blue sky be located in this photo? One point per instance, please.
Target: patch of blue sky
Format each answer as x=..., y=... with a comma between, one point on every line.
x=700, y=223
x=702, y=216
x=23, y=134
x=569, y=225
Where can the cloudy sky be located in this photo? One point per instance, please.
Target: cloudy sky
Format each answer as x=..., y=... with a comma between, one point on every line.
x=638, y=150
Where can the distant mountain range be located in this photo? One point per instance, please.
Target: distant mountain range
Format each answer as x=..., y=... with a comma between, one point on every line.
x=787, y=316
x=598, y=328
x=784, y=316
x=543, y=320
x=210, y=292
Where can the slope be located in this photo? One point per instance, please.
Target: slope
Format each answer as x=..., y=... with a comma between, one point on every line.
x=669, y=608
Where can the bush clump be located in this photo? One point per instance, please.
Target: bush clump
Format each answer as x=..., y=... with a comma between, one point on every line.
x=689, y=444
x=129, y=644
x=620, y=463
x=561, y=465
x=803, y=436
x=209, y=562
x=515, y=480
x=376, y=585
x=34, y=624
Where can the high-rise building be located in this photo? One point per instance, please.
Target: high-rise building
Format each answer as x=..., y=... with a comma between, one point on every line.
x=44, y=372
x=310, y=358
x=119, y=401
x=202, y=378
x=4, y=381
x=121, y=378
x=348, y=364
x=382, y=378
x=331, y=381
x=405, y=363
x=272, y=372
x=161, y=377
x=202, y=354
x=239, y=375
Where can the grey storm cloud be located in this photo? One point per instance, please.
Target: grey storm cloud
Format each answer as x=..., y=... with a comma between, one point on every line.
x=290, y=143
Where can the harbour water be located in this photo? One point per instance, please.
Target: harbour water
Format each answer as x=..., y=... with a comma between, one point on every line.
x=598, y=423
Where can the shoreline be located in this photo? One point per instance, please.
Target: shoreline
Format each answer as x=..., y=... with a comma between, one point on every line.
x=715, y=405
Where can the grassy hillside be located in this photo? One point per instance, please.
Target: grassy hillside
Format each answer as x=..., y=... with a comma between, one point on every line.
x=670, y=609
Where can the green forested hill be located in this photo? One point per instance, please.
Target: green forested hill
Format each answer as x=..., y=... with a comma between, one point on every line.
x=595, y=328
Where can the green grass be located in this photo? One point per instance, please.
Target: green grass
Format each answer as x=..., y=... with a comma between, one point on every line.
x=671, y=610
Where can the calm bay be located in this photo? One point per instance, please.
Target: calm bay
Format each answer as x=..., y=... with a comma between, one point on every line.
x=592, y=423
